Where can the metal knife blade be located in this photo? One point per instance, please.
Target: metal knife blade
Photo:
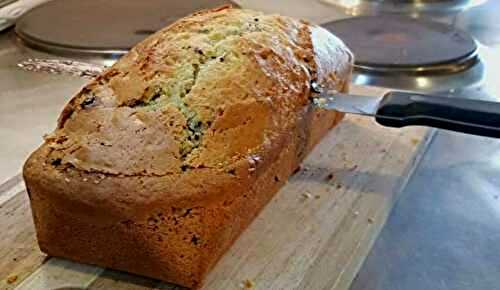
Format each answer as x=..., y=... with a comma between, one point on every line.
x=347, y=103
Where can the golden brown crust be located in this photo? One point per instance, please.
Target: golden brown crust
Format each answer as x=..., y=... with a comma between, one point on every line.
x=172, y=151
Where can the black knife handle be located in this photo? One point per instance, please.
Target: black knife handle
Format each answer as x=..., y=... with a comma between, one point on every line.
x=399, y=109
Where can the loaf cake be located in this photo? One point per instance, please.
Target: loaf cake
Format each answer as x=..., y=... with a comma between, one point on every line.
x=159, y=164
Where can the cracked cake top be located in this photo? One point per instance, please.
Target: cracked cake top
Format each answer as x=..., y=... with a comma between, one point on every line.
x=202, y=93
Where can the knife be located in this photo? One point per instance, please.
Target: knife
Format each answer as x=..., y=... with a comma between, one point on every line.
x=400, y=109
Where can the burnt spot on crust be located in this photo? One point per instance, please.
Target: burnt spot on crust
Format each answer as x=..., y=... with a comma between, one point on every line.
x=56, y=161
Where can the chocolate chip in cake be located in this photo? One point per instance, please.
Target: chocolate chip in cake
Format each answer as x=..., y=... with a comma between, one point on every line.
x=87, y=102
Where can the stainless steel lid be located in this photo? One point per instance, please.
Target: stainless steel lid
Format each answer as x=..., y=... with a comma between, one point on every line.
x=100, y=26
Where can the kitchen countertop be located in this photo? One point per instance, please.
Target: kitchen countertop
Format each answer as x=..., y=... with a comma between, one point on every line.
x=442, y=234
x=24, y=98
x=444, y=231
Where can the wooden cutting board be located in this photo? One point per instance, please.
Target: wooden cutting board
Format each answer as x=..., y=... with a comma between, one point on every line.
x=314, y=234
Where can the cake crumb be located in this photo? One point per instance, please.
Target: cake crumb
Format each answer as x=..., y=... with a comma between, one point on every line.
x=339, y=186
x=12, y=279
x=329, y=176
x=317, y=196
x=66, y=179
x=415, y=141
x=356, y=213
x=247, y=284
x=306, y=195
x=371, y=221
x=85, y=179
x=320, y=101
x=96, y=181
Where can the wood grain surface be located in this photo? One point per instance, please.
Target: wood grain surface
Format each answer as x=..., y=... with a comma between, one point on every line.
x=314, y=234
